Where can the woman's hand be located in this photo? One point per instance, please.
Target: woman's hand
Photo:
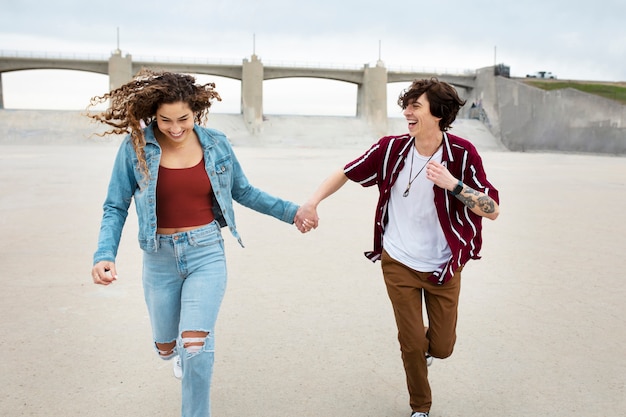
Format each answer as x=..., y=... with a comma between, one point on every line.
x=306, y=218
x=104, y=273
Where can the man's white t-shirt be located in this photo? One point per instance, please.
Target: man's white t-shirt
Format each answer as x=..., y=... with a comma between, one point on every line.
x=413, y=235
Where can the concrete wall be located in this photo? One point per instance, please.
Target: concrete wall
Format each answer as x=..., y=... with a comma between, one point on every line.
x=372, y=97
x=252, y=93
x=67, y=127
x=562, y=120
x=527, y=118
x=120, y=69
x=485, y=97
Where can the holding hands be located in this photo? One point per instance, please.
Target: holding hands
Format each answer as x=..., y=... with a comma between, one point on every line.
x=306, y=218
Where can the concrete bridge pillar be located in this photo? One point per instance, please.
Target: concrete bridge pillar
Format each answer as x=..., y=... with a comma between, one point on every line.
x=372, y=97
x=120, y=69
x=1, y=96
x=252, y=94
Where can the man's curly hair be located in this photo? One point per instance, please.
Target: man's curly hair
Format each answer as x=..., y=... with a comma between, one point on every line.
x=443, y=98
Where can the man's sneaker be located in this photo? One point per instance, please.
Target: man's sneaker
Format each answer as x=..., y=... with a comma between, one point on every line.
x=429, y=361
x=178, y=370
x=419, y=414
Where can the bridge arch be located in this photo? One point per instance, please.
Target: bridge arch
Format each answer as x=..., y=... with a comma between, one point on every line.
x=43, y=88
x=229, y=90
x=285, y=95
x=393, y=92
x=48, y=64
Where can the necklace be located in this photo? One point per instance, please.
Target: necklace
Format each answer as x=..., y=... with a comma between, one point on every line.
x=408, y=186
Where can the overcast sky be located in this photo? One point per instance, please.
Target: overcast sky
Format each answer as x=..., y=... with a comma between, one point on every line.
x=574, y=40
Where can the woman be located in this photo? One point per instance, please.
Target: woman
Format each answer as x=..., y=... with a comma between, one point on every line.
x=184, y=179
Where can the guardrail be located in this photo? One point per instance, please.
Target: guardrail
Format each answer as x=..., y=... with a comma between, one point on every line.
x=52, y=55
x=213, y=61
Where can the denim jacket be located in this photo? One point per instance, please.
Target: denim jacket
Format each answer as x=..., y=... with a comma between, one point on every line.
x=227, y=179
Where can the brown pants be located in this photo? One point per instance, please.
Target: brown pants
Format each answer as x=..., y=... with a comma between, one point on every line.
x=405, y=287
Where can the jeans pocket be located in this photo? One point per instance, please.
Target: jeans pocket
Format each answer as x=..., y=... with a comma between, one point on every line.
x=206, y=238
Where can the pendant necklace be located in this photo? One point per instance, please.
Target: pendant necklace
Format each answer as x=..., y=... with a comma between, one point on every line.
x=408, y=186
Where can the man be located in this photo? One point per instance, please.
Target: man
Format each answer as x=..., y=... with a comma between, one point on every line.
x=433, y=194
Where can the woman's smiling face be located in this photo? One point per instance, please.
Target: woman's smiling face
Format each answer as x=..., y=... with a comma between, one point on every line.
x=175, y=121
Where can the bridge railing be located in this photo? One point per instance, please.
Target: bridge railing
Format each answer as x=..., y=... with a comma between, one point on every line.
x=433, y=70
x=210, y=61
x=52, y=55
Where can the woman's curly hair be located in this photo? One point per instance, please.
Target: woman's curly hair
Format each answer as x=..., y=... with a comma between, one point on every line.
x=443, y=98
x=135, y=104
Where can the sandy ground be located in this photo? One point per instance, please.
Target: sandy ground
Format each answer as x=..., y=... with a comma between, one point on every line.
x=306, y=328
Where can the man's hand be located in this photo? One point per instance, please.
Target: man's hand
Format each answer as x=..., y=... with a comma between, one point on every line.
x=440, y=175
x=306, y=218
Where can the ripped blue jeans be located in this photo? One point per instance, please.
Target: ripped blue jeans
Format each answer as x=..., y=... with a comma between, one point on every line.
x=184, y=283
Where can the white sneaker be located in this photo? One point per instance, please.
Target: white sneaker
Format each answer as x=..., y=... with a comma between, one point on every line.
x=178, y=370
x=429, y=361
x=419, y=414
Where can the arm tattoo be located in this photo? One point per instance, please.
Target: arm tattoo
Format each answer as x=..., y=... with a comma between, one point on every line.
x=471, y=198
x=486, y=204
x=467, y=200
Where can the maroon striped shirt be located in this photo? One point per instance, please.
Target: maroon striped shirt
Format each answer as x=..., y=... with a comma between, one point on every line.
x=380, y=166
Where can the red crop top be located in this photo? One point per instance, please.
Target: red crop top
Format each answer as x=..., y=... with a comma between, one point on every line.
x=183, y=197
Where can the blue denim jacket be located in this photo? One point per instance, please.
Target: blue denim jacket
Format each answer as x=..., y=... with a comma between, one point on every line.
x=227, y=179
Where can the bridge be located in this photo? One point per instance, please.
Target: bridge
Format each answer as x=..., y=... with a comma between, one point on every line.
x=371, y=81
